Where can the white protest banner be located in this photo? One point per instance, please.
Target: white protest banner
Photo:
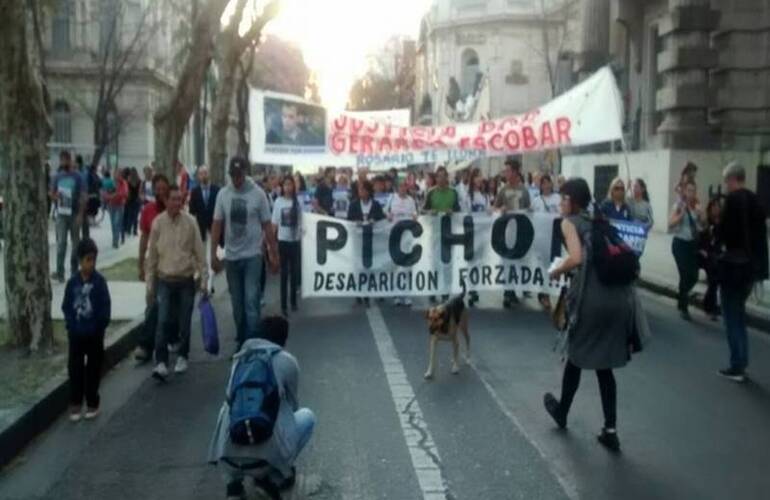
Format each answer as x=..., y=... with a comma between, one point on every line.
x=288, y=130
x=429, y=256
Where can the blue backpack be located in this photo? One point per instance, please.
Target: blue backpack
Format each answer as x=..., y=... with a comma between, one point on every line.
x=254, y=398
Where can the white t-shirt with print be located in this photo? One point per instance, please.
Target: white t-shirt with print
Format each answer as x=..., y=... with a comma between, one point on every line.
x=288, y=226
x=480, y=202
x=402, y=208
x=547, y=203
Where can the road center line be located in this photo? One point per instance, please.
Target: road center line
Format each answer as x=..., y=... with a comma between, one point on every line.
x=426, y=461
x=570, y=489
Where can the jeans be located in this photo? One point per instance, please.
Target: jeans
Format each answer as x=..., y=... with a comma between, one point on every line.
x=734, y=312
x=176, y=300
x=116, y=220
x=243, y=278
x=289, y=254
x=685, y=255
x=131, y=218
x=304, y=420
x=66, y=226
x=147, y=340
x=85, y=369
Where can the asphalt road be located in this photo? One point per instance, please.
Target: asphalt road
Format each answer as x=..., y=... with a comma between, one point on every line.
x=686, y=433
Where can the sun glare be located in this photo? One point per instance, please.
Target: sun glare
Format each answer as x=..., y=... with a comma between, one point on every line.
x=336, y=36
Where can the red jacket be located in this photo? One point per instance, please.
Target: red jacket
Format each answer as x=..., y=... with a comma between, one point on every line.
x=119, y=197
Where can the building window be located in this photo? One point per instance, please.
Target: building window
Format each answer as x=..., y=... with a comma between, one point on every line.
x=470, y=72
x=62, y=123
x=516, y=74
x=603, y=176
x=60, y=27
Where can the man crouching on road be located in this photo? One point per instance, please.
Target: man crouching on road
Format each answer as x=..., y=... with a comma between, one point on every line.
x=175, y=260
x=261, y=429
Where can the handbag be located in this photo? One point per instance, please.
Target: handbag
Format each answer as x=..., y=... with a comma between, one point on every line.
x=209, y=328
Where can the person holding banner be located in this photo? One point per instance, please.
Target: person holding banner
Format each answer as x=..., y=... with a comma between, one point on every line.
x=402, y=207
x=639, y=204
x=685, y=224
x=365, y=210
x=440, y=200
x=547, y=202
x=600, y=318
x=614, y=207
x=287, y=220
x=477, y=201
x=341, y=197
x=512, y=197
x=323, y=202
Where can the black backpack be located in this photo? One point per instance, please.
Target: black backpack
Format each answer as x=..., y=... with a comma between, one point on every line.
x=615, y=262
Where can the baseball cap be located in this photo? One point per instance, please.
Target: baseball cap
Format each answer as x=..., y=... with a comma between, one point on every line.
x=238, y=165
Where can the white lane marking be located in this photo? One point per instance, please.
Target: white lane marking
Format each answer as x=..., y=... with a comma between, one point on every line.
x=422, y=449
x=569, y=487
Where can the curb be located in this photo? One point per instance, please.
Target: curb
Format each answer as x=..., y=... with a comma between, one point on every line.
x=53, y=398
x=753, y=319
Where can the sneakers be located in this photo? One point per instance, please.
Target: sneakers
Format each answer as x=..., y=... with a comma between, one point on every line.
x=92, y=413
x=733, y=374
x=181, y=365
x=141, y=354
x=75, y=414
x=609, y=439
x=554, y=410
x=160, y=372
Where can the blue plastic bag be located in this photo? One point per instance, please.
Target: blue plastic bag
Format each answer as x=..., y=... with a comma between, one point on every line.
x=209, y=327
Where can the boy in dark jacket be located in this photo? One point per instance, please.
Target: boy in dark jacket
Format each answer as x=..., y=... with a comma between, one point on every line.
x=86, y=308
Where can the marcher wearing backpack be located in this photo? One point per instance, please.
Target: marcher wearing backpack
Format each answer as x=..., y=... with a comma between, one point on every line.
x=600, y=317
x=261, y=429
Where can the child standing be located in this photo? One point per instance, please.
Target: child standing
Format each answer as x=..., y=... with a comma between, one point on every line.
x=86, y=308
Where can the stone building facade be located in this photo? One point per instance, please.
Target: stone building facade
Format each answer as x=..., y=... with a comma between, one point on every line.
x=505, y=44
x=695, y=77
x=74, y=40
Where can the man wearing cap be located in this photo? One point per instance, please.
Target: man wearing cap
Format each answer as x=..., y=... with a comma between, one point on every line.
x=244, y=210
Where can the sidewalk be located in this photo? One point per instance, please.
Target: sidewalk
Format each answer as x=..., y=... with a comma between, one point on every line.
x=660, y=274
x=128, y=298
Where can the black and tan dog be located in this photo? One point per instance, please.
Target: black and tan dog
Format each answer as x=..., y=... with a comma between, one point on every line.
x=445, y=321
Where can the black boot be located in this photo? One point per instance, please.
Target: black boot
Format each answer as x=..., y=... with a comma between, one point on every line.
x=553, y=408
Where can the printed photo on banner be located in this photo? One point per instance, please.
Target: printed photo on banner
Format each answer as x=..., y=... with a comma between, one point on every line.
x=294, y=126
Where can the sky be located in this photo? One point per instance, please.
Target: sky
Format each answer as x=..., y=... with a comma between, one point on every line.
x=337, y=35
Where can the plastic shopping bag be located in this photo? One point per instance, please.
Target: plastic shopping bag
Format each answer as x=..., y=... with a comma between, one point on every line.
x=209, y=327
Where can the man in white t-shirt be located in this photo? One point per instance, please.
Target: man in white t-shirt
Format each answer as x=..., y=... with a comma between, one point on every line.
x=244, y=210
x=402, y=207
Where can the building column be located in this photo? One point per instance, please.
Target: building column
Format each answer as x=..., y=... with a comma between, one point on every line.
x=596, y=36
x=684, y=66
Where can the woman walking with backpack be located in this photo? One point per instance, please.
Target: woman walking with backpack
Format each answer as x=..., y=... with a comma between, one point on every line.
x=599, y=317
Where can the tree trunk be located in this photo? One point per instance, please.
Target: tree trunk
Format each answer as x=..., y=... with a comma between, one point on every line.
x=171, y=119
x=220, y=114
x=24, y=132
